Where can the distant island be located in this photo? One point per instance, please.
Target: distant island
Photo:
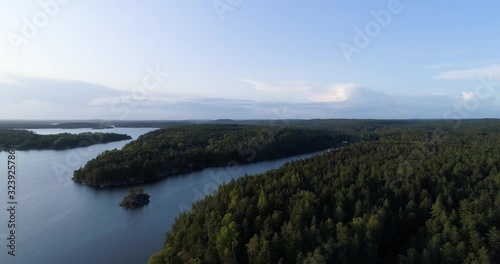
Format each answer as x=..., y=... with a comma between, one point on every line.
x=24, y=124
x=28, y=140
x=183, y=149
x=135, y=198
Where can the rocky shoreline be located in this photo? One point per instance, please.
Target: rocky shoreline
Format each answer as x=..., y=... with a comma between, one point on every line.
x=135, y=198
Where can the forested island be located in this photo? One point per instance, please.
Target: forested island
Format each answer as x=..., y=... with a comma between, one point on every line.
x=135, y=198
x=28, y=140
x=423, y=192
x=25, y=124
x=182, y=149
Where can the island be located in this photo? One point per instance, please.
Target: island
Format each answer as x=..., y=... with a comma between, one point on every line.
x=25, y=124
x=183, y=149
x=29, y=140
x=135, y=198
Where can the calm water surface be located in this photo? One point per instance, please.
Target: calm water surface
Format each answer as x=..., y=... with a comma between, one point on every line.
x=59, y=221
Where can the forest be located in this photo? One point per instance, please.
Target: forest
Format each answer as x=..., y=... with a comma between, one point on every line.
x=182, y=149
x=25, y=124
x=419, y=192
x=28, y=140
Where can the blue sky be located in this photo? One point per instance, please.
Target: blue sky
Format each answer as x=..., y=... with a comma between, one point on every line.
x=75, y=59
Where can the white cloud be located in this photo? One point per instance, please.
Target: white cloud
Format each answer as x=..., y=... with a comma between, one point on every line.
x=6, y=79
x=280, y=87
x=150, y=100
x=492, y=71
x=335, y=93
x=36, y=103
x=467, y=96
x=35, y=98
x=440, y=66
x=310, y=92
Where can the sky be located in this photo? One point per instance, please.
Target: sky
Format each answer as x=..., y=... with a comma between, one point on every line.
x=249, y=59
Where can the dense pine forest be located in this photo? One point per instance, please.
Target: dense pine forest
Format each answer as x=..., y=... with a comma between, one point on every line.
x=28, y=140
x=188, y=148
x=420, y=192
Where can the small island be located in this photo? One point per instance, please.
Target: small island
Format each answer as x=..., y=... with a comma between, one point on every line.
x=135, y=198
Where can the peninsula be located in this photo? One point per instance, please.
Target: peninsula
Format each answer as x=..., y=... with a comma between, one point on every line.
x=177, y=150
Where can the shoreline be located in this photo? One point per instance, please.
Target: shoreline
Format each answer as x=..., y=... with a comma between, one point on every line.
x=110, y=185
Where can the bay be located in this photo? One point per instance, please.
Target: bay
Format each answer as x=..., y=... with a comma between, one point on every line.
x=59, y=221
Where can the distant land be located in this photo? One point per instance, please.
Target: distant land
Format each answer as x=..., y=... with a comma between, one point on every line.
x=107, y=124
x=28, y=140
x=27, y=124
x=329, y=124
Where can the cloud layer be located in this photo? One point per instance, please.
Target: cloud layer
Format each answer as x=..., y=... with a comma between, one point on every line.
x=335, y=92
x=34, y=98
x=492, y=71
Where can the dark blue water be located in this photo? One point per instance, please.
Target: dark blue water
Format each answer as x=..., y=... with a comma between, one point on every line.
x=59, y=221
